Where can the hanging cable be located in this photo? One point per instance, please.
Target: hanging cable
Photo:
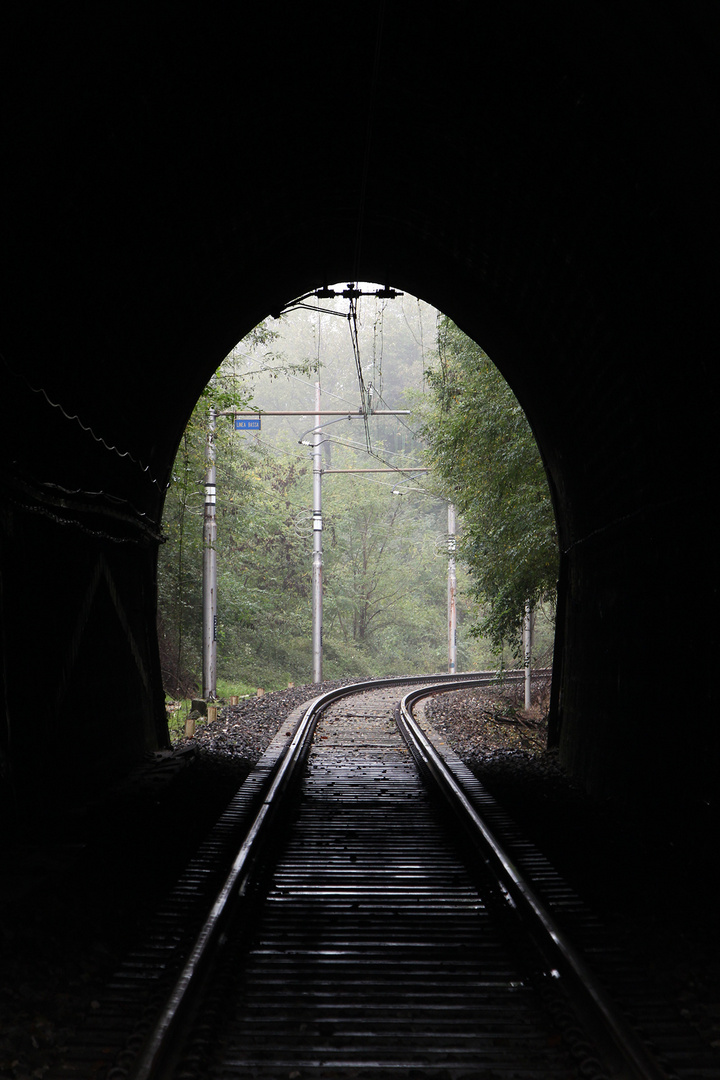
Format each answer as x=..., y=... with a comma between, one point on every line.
x=378, y=334
x=378, y=457
x=354, y=338
x=326, y=393
x=404, y=423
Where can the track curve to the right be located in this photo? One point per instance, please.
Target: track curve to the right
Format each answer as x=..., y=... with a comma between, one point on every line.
x=376, y=951
x=363, y=931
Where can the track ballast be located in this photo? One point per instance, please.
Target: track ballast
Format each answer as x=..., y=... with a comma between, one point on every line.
x=368, y=937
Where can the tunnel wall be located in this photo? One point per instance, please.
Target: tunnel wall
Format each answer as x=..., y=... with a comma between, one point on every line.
x=541, y=173
x=80, y=657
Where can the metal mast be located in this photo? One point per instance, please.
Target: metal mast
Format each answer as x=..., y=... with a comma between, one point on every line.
x=527, y=649
x=210, y=568
x=452, y=593
x=317, y=545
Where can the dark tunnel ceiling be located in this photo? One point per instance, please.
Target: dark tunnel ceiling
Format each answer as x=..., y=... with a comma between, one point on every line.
x=540, y=172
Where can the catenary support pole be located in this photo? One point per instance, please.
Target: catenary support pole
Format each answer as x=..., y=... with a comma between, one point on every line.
x=452, y=593
x=527, y=648
x=209, y=664
x=316, y=456
x=317, y=545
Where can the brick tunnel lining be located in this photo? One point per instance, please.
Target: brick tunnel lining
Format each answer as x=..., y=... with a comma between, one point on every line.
x=540, y=179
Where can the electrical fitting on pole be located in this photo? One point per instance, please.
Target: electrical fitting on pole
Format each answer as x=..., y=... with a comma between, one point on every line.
x=452, y=592
x=527, y=651
x=252, y=419
x=209, y=652
x=317, y=594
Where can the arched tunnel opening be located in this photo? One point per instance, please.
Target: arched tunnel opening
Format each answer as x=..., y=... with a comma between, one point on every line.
x=617, y=465
x=541, y=173
x=300, y=546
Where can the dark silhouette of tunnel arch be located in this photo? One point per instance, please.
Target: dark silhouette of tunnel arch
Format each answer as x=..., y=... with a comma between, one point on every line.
x=486, y=319
x=541, y=173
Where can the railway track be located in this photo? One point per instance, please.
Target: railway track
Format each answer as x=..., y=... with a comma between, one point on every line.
x=378, y=916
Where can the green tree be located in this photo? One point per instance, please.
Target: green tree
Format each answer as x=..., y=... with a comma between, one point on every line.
x=481, y=445
x=385, y=575
x=180, y=558
x=264, y=575
x=385, y=566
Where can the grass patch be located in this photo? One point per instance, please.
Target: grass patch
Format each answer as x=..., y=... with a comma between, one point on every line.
x=177, y=713
x=227, y=688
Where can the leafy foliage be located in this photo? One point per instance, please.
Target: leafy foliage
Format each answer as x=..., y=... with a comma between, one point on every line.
x=180, y=558
x=481, y=445
x=385, y=563
x=374, y=605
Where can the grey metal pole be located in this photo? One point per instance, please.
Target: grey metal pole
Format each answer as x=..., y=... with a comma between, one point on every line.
x=452, y=593
x=317, y=545
x=210, y=567
x=527, y=648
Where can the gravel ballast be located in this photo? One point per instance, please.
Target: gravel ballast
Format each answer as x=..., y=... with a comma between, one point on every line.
x=73, y=904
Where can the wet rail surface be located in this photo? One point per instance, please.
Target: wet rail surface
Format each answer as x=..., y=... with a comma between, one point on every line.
x=372, y=940
x=375, y=949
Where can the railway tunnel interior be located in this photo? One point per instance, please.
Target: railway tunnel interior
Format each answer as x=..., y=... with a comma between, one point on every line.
x=539, y=173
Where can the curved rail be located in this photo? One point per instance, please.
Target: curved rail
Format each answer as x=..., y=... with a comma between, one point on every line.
x=626, y=1057
x=158, y=1045
x=625, y=1054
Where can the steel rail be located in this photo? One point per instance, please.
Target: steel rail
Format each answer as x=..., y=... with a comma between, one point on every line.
x=627, y=1057
x=160, y=1043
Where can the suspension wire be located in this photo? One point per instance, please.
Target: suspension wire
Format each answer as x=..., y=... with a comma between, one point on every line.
x=371, y=480
x=410, y=480
x=327, y=393
x=401, y=419
x=378, y=332
x=364, y=397
x=416, y=339
x=357, y=446
x=296, y=454
x=319, y=330
x=374, y=349
x=422, y=342
x=377, y=456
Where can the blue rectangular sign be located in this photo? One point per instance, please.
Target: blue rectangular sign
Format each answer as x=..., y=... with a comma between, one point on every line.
x=245, y=423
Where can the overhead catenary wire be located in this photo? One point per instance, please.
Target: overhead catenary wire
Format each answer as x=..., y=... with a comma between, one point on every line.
x=296, y=454
x=371, y=453
x=352, y=293
x=299, y=456
x=377, y=382
x=415, y=434
x=307, y=382
x=355, y=341
x=403, y=478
